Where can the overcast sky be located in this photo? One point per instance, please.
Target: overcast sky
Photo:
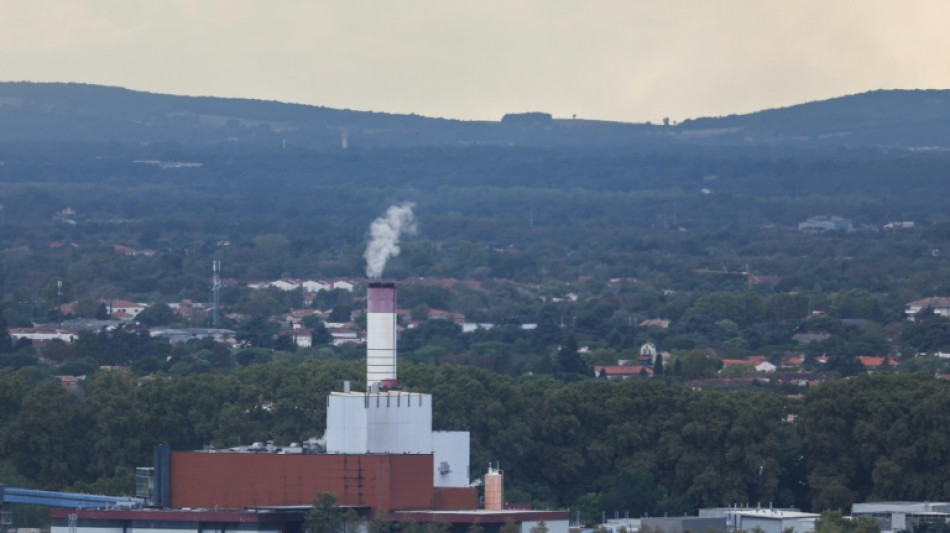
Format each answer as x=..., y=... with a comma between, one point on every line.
x=627, y=60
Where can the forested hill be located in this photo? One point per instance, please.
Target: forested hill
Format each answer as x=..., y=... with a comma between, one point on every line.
x=67, y=111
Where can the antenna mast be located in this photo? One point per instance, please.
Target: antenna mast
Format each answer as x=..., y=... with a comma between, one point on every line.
x=216, y=288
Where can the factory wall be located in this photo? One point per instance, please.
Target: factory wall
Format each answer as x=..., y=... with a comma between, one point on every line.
x=452, y=449
x=399, y=422
x=455, y=498
x=386, y=422
x=239, y=480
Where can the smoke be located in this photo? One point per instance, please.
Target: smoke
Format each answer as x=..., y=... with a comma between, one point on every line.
x=384, y=235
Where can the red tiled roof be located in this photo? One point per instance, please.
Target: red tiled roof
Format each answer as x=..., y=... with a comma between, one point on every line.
x=625, y=370
x=734, y=362
x=872, y=361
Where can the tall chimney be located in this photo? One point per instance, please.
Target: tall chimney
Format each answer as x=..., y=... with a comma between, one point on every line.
x=380, y=334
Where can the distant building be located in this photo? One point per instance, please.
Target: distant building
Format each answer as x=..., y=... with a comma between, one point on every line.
x=176, y=335
x=938, y=304
x=766, y=520
x=902, y=516
x=818, y=224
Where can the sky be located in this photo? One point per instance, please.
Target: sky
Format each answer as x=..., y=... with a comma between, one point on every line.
x=623, y=60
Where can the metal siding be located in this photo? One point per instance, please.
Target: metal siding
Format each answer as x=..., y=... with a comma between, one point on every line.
x=453, y=448
x=448, y=498
x=399, y=423
x=346, y=423
x=237, y=480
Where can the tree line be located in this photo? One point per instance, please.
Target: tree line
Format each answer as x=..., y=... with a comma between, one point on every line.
x=641, y=446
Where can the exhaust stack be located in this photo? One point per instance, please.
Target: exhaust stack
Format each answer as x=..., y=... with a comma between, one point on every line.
x=380, y=335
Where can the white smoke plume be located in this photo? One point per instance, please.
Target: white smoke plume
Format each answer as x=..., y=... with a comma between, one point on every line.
x=384, y=235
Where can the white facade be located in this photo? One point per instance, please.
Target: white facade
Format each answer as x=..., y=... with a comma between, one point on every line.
x=396, y=422
x=899, y=516
x=770, y=520
x=451, y=457
x=386, y=422
x=316, y=286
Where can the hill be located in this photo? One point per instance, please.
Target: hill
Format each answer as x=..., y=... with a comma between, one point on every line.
x=91, y=113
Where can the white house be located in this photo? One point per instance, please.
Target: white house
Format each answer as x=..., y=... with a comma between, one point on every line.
x=285, y=284
x=124, y=308
x=316, y=286
x=344, y=285
x=940, y=306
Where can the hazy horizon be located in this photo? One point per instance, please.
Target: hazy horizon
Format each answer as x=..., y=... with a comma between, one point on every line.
x=629, y=61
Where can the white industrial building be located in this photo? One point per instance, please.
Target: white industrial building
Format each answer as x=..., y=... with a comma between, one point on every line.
x=768, y=519
x=392, y=421
x=898, y=516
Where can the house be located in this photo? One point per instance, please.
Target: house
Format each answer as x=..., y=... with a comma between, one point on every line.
x=316, y=286
x=303, y=337
x=123, y=309
x=343, y=335
x=872, y=362
x=940, y=306
x=70, y=382
x=618, y=372
x=765, y=366
x=344, y=285
x=285, y=284
x=125, y=250
x=793, y=360
x=655, y=323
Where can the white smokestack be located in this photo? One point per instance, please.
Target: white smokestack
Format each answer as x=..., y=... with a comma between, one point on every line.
x=384, y=235
x=380, y=334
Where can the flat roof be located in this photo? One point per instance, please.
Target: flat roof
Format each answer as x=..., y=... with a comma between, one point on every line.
x=182, y=515
x=775, y=513
x=482, y=515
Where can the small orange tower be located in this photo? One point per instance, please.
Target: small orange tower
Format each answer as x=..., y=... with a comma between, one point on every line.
x=494, y=489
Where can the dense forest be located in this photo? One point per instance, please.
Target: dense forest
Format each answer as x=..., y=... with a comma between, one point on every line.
x=640, y=446
x=579, y=251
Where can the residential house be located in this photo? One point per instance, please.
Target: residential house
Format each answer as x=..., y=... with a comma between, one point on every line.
x=618, y=372
x=940, y=306
x=70, y=382
x=344, y=285
x=123, y=309
x=285, y=285
x=872, y=362
x=655, y=323
x=303, y=337
x=316, y=286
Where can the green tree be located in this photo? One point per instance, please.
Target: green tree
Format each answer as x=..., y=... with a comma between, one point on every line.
x=509, y=526
x=324, y=516
x=157, y=314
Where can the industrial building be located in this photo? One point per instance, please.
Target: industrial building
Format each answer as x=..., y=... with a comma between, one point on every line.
x=381, y=458
x=902, y=516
